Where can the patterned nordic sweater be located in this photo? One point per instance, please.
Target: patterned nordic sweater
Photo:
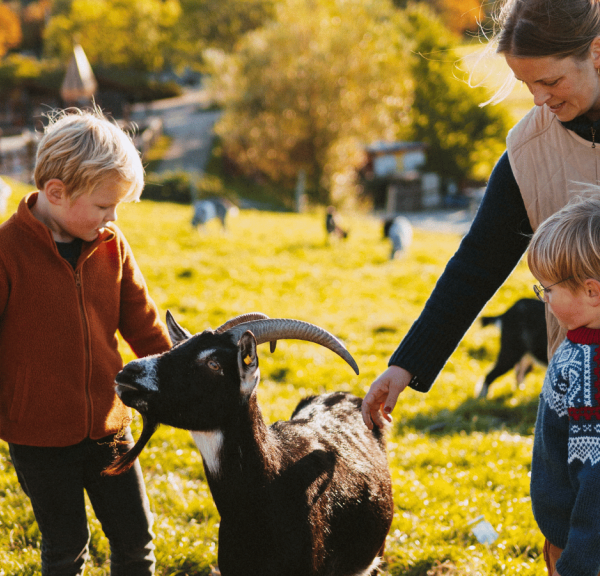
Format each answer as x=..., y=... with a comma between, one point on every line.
x=565, y=471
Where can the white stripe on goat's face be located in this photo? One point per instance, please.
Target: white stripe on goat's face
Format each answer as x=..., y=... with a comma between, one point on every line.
x=209, y=359
x=209, y=444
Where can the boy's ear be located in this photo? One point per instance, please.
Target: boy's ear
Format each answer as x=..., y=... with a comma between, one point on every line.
x=55, y=191
x=592, y=290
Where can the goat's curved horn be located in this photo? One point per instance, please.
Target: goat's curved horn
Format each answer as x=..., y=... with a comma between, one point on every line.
x=249, y=317
x=271, y=329
x=240, y=319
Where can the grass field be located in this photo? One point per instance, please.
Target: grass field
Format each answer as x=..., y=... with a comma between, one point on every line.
x=453, y=458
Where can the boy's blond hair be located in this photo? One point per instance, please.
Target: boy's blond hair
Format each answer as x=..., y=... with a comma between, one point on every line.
x=83, y=149
x=566, y=246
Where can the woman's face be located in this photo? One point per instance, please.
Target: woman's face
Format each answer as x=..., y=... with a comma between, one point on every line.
x=568, y=86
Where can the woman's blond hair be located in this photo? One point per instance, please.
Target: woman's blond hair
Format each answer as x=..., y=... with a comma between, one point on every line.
x=566, y=246
x=84, y=149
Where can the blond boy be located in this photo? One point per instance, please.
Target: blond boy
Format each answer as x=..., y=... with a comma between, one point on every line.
x=564, y=255
x=68, y=284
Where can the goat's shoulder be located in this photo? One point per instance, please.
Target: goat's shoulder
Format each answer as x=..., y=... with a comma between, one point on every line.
x=327, y=424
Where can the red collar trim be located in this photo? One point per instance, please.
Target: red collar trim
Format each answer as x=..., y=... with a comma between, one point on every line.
x=584, y=335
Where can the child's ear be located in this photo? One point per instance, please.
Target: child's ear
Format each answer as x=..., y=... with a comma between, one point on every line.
x=592, y=290
x=55, y=191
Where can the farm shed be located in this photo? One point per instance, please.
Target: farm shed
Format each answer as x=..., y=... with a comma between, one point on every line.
x=393, y=175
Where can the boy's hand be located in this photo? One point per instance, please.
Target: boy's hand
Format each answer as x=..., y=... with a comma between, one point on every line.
x=383, y=395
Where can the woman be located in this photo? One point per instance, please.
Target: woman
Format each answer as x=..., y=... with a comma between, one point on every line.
x=553, y=46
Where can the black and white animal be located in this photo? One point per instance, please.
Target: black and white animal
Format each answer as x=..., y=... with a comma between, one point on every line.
x=523, y=340
x=399, y=230
x=332, y=225
x=206, y=210
x=310, y=496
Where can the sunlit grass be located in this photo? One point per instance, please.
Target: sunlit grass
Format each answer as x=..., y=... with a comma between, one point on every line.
x=453, y=458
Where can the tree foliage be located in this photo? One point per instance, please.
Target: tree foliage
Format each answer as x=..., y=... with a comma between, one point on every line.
x=132, y=34
x=216, y=24
x=309, y=89
x=33, y=23
x=459, y=16
x=464, y=139
x=10, y=29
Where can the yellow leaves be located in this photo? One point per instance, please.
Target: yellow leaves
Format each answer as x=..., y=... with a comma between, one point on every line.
x=122, y=33
x=10, y=29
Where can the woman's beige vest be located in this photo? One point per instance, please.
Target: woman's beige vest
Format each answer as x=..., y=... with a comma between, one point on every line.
x=551, y=164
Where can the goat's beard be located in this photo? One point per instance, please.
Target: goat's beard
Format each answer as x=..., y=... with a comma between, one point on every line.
x=125, y=461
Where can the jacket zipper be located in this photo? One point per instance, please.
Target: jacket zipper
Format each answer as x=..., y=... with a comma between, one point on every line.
x=593, y=137
x=86, y=349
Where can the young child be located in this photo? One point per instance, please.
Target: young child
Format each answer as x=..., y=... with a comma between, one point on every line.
x=68, y=283
x=564, y=255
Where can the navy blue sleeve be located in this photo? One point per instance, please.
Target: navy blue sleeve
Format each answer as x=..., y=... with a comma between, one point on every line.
x=494, y=245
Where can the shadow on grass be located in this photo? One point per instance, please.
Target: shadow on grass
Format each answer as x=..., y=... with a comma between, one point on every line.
x=426, y=567
x=479, y=415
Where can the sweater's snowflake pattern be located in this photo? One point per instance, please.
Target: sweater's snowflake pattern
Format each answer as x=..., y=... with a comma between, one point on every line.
x=584, y=447
x=570, y=390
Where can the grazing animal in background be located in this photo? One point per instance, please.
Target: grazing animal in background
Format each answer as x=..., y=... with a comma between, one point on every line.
x=523, y=340
x=208, y=209
x=332, y=225
x=310, y=496
x=5, y=192
x=399, y=230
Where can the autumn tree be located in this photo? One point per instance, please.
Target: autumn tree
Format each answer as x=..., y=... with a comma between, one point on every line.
x=216, y=24
x=33, y=21
x=464, y=139
x=307, y=91
x=459, y=16
x=10, y=29
x=132, y=34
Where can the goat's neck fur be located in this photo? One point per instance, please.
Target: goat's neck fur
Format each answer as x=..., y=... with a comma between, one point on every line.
x=249, y=457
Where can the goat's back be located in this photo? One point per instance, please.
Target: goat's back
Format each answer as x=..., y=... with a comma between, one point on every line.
x=344, y=464
x=523, y=326
x=325, y=507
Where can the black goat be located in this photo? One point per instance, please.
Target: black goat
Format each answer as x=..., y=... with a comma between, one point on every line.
x=522, y=337
x=332, y=224
x=306, y=497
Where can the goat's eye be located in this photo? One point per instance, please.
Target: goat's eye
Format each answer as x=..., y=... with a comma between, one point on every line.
x=213, y=365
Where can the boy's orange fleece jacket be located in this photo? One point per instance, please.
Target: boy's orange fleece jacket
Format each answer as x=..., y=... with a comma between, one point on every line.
x=58, y=332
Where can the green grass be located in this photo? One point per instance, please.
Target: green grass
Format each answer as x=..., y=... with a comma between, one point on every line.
x=453, y=458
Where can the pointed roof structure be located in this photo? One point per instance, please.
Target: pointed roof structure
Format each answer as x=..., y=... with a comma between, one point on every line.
x=80, y=82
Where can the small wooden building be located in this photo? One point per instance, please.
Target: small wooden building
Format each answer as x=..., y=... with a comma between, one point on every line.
x=395, y=170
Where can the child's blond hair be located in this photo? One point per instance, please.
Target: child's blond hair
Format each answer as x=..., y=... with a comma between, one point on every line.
x=566, y=246
x=83, y=149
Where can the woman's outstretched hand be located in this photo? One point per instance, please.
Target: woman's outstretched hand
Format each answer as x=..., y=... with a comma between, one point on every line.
x=383, y=395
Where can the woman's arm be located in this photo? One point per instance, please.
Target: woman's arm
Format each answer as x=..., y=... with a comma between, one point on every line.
x=487, y=255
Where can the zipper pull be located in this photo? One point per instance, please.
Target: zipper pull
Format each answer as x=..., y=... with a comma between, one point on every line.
x=77, y=279
x=593, y=137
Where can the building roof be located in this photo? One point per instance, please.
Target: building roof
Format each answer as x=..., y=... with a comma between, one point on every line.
x=382, y=147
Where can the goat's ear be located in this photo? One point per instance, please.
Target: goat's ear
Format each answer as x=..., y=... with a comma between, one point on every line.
x=177, y=333
x=248, y=362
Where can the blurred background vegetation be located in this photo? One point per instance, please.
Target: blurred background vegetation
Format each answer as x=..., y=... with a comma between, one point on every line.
x=304, y=85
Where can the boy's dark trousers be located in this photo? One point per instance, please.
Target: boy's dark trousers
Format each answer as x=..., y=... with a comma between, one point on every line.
x=55, y=480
